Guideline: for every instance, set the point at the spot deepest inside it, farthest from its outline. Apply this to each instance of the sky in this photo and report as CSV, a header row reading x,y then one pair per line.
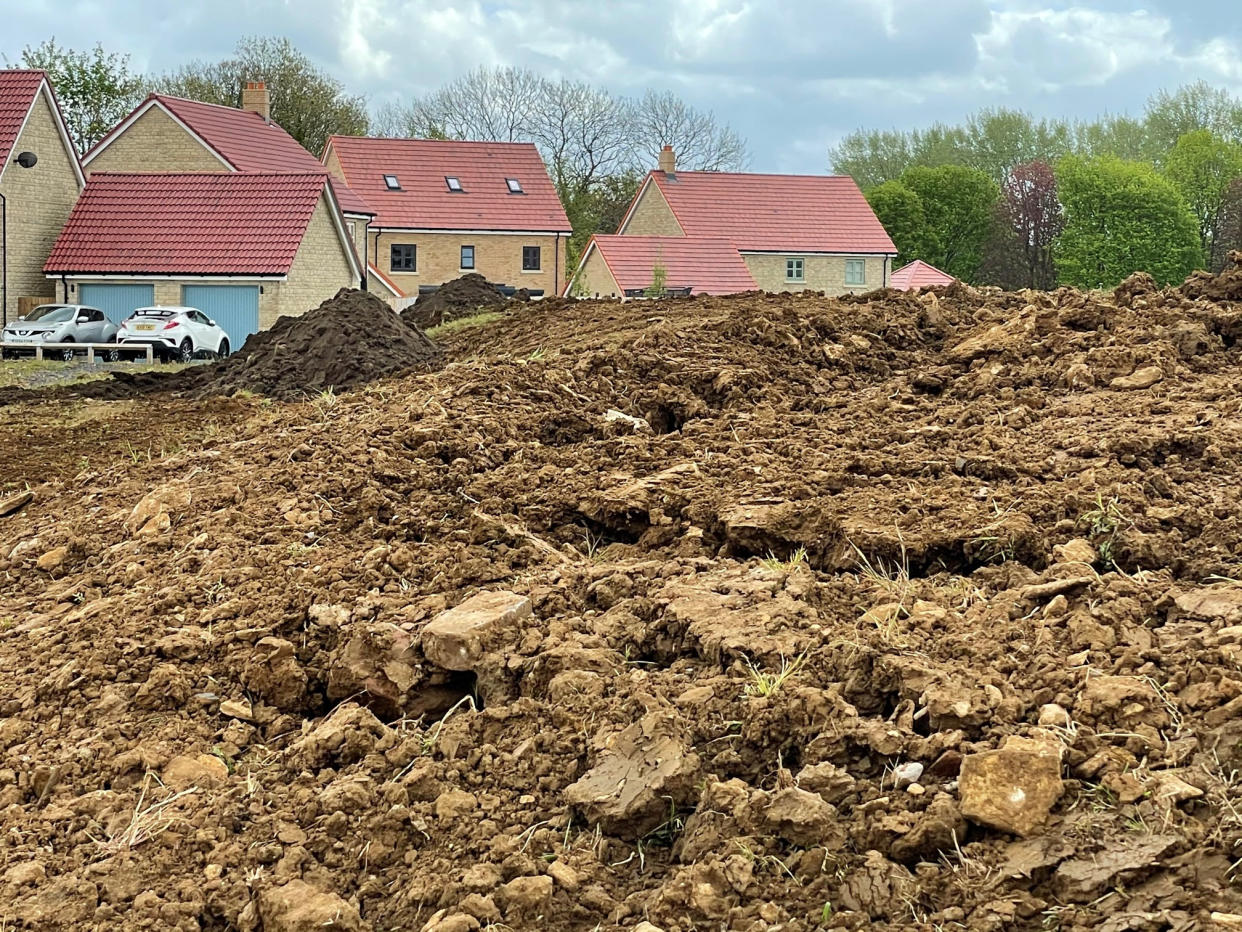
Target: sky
x,y
792,76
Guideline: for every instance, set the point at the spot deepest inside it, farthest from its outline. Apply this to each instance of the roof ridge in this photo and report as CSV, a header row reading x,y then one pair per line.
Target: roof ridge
x,y
42,71
458,142
155,95
715,174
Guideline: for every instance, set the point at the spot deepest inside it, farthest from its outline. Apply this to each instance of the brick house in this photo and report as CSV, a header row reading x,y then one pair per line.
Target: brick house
x,y
444,208
244,247
37,199
170,134
792,232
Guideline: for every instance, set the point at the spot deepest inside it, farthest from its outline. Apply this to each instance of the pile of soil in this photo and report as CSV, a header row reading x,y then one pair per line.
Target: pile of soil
x,y
348,341
1226,286
462,297
766,612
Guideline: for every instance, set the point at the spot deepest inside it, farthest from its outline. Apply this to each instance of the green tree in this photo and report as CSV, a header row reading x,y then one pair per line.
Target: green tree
x,y
1170,115
958,204
901,212
95,88
309,104
1122,217
1201,167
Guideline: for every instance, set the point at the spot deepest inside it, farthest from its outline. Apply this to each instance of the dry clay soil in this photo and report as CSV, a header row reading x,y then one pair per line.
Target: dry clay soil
x,y
781,612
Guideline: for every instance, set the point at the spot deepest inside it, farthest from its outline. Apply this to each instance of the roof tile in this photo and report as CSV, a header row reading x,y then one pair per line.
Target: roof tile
x,y
919,274
425,202
18,88
775,213
704,265
187,224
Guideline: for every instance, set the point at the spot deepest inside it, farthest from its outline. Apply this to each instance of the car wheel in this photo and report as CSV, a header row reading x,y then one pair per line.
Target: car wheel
x,y
67,353
186,350
111,355
223,351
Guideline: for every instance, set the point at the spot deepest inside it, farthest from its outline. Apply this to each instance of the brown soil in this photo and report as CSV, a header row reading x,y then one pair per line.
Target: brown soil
x,y
896,612
462,297
350,340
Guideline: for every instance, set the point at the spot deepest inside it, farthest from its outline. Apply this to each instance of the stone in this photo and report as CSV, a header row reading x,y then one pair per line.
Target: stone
x,y
444,921
1014,787
828,780
272,672
1085,878
299,907
1124,700
647,769
1212,602
1172,788
27,873
1052,715
645,926
906,774
528,894
458,638
1075,551
377,662
1140,378
620,419
52,559
916,789
202,770
799,816
237,708
153,513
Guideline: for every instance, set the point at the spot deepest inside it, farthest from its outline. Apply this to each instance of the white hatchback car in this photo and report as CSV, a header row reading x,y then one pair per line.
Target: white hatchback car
x,y
175,332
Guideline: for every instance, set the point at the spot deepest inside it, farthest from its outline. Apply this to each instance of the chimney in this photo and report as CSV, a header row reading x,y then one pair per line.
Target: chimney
x,y
668,160
255,98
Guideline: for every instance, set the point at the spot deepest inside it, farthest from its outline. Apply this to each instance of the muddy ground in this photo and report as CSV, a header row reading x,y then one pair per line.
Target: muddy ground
x,y
767,612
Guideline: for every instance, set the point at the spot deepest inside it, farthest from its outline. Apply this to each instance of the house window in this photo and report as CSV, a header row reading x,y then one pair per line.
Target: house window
x,y
454,184
795,270
404,257
391,182
855,271
515,186
530,258
467,257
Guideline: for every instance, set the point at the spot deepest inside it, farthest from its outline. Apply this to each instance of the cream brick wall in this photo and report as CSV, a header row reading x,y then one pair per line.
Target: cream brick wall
x,y
155,143
39,200
497,257
594,280
320,269
652,216
821,273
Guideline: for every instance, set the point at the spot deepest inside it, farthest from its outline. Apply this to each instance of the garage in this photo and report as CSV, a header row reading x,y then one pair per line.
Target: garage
x,y
116,301
233,307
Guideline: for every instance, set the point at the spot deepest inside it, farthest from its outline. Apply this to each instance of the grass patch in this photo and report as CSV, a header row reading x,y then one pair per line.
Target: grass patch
x,y
462,323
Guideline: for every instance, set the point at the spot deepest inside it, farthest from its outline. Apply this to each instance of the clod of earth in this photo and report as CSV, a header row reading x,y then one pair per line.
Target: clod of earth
x,y
458,638
1014,787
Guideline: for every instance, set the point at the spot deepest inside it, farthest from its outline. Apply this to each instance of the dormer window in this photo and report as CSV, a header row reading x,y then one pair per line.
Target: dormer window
x,y
391,182
454,184
515,186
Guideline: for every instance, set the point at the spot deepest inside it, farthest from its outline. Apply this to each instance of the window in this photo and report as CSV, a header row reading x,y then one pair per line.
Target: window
x,y
530,259
454,184
391,182
403,258
794,270
855,271
467,257
515,186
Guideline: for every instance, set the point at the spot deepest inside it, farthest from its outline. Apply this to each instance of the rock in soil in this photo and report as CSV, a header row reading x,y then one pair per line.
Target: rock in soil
x,y
1014,787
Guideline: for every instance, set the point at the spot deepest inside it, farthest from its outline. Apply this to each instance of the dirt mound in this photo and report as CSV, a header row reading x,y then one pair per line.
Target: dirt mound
x,y
773,611
1227,286
461,297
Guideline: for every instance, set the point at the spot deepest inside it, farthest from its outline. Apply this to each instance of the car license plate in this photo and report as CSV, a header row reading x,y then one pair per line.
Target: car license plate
x,y
145,327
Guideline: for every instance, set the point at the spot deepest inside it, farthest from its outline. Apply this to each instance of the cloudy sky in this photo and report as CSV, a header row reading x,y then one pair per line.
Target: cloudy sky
x,y
792,76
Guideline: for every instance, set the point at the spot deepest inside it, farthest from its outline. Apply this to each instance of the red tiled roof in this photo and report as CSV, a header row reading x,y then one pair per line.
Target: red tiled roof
x,y
425,202
919,274
247,142
226,223
705,265
18,88
775,213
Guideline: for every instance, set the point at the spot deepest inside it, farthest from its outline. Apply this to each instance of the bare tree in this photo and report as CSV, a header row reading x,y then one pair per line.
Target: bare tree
x,y
702,143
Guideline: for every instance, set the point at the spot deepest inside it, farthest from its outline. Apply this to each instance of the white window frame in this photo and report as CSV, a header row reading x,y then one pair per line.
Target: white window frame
x,y
789,266
861,265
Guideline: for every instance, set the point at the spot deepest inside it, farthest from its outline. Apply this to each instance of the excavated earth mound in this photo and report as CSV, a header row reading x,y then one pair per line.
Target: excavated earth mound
x,y
461,297
766,612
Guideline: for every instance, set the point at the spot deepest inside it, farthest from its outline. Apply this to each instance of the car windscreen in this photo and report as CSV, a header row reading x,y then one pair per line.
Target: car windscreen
x,y
51,314
161,313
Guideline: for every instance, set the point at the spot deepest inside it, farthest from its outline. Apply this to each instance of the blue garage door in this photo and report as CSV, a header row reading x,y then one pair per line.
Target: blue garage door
x,y
116,301
233,307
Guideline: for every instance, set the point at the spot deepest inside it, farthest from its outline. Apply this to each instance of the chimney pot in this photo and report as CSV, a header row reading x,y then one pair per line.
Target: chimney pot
x,y
256,99
668,160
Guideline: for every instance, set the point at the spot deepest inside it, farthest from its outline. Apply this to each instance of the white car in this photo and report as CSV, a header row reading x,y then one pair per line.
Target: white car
x,y
178,333
59,323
